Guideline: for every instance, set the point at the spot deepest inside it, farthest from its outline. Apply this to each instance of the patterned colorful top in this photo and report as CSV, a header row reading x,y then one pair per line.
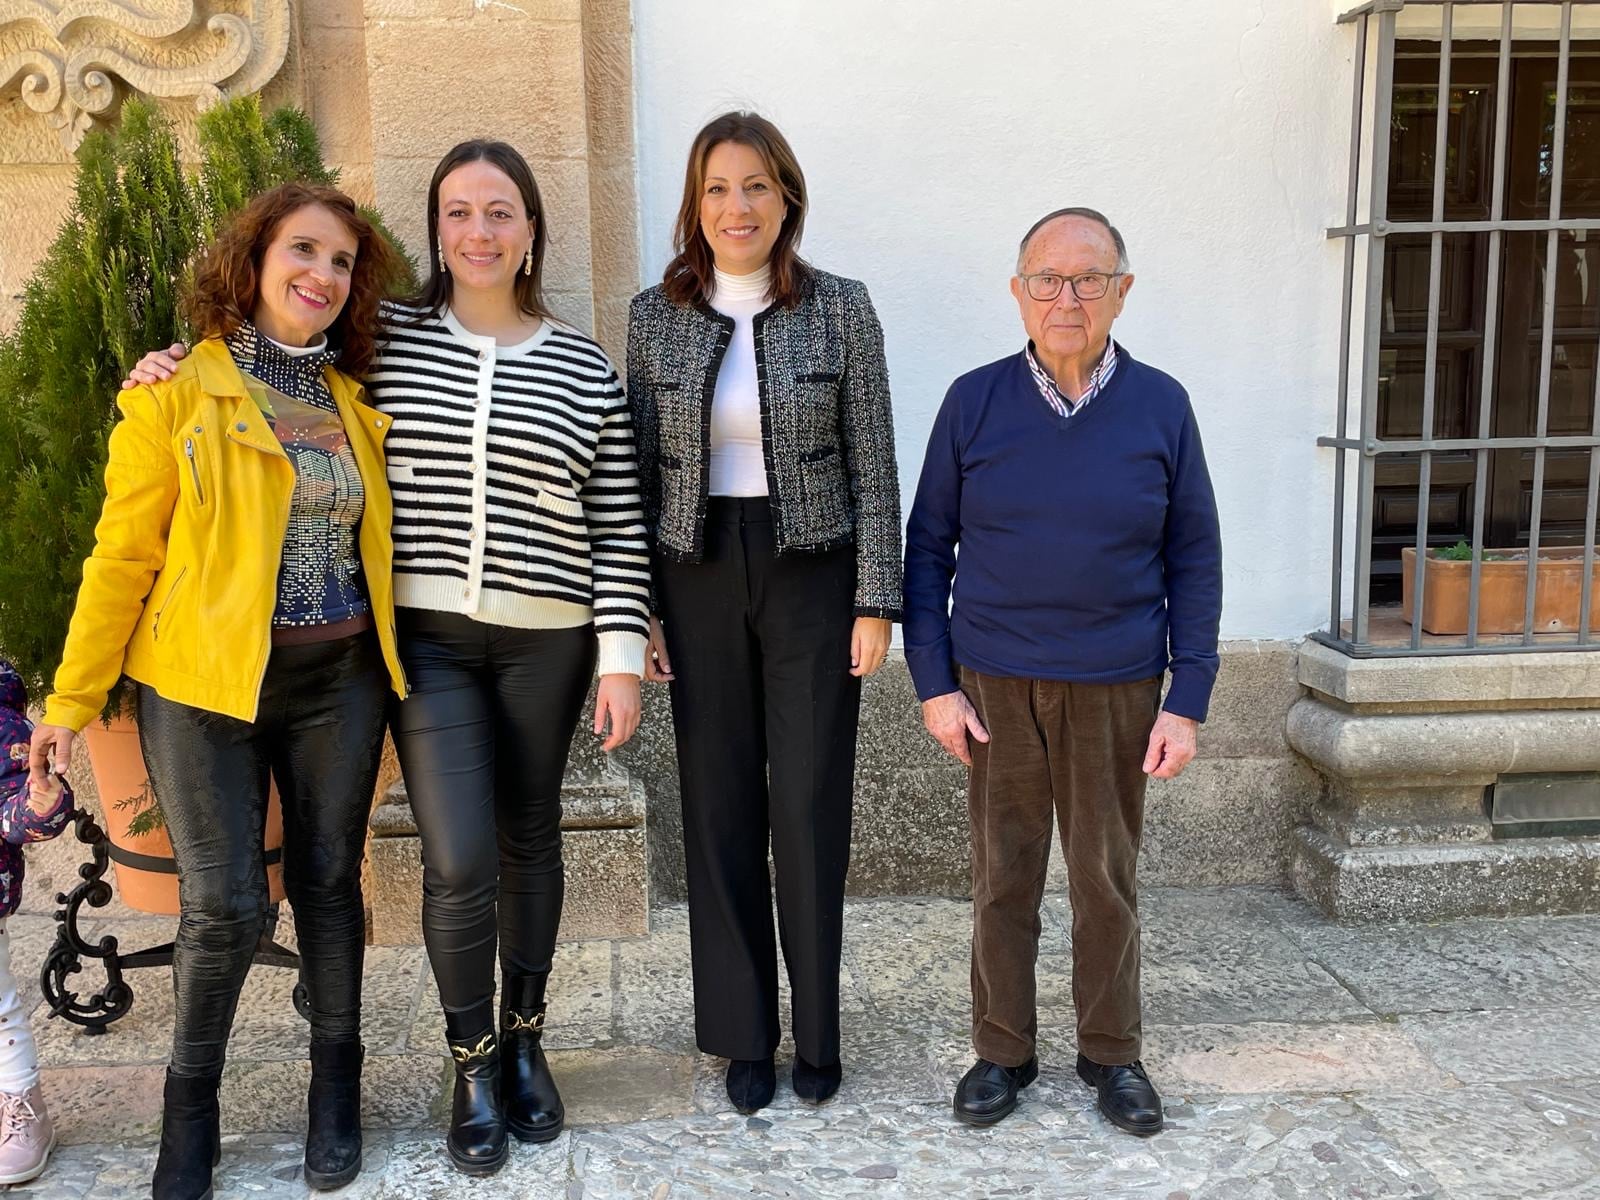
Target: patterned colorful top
x,y
320,581
1056,398
18,822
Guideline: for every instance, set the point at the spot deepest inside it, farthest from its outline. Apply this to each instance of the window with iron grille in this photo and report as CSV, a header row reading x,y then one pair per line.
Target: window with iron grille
x,y
1468,418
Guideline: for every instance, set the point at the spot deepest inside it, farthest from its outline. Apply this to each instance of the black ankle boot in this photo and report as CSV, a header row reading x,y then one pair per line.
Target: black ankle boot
x,y
751,1082
527,1091
190,1142
333,1104
477,1138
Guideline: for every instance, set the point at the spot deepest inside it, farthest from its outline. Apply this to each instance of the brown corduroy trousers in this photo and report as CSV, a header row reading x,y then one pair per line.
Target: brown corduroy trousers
x,y
1076,749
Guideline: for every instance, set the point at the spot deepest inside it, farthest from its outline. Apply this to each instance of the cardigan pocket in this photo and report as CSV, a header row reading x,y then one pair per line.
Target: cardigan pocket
x,y
561,506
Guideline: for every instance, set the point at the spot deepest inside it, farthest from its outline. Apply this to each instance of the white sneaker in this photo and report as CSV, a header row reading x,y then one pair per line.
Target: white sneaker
x,y
26,1135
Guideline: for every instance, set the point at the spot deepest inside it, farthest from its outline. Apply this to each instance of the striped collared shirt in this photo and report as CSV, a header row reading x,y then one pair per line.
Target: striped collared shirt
x,y
1056,398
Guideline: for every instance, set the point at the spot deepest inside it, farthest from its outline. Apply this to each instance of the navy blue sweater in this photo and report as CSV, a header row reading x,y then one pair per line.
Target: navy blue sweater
x,y
1089,546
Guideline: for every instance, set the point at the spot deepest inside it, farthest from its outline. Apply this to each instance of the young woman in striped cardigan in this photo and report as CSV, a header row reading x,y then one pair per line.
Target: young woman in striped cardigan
x,y
520,563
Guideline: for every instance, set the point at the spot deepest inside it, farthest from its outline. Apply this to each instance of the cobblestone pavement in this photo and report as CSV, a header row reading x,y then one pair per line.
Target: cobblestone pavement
x,y
1298,1059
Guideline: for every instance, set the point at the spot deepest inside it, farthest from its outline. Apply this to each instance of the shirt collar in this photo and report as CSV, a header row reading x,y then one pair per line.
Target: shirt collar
x,y
1058,399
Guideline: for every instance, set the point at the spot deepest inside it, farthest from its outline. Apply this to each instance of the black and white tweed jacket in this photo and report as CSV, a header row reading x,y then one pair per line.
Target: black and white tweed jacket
x,y
826,427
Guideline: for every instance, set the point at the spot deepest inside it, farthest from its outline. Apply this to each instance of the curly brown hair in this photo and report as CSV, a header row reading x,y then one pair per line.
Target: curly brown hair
x,y
223,294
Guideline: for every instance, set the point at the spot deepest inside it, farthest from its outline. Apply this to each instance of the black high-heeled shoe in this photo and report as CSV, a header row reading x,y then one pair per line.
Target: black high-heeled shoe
x,y
816,1084
751,1083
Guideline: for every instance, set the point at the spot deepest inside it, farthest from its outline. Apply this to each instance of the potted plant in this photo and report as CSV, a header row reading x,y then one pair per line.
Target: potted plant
x,y
1502,589
108,290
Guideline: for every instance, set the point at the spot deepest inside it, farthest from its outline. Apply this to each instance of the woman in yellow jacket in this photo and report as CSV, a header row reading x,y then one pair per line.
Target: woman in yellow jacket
x,y
241,580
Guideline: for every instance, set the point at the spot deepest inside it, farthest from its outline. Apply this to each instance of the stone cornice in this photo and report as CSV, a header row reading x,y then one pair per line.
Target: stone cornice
x,y
68,59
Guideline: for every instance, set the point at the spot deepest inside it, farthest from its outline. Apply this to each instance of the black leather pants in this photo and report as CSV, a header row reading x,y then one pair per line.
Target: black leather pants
x,y
318,731
483,742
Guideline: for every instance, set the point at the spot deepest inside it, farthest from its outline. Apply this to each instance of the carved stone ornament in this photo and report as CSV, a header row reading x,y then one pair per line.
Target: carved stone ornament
x,y
69,56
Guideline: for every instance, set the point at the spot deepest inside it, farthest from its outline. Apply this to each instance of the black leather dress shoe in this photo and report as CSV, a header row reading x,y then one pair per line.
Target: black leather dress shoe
x,y
988,1092
751,1083
1127,1097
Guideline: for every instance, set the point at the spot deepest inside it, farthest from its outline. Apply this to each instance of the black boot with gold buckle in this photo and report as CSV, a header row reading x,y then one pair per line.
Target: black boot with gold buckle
x,y
477,1138
528,1092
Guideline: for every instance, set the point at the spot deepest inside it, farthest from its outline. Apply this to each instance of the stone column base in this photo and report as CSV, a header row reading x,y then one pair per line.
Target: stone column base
x,y
1409,748
1421,882
603,850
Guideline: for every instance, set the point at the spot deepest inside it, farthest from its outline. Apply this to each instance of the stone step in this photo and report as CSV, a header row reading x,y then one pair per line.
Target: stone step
x,y
603,849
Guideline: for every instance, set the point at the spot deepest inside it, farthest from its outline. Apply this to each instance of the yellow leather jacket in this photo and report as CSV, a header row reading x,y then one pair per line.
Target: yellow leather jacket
x,y
180,589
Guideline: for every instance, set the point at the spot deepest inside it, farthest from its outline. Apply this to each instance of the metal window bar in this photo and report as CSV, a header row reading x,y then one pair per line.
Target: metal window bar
x,y
1430,370
1376,229
1342,423
1547,333
1491,324
1371,331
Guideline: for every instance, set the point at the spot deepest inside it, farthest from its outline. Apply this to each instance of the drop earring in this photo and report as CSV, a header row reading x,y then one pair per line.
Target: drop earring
x,y
442,268
527,262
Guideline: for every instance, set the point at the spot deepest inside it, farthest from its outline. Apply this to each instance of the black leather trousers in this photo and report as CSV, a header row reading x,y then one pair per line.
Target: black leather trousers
x,y
483,742
318,732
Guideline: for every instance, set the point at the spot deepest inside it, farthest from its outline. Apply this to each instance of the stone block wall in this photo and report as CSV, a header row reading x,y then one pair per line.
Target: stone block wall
x,y
391,85
1230,818
167,50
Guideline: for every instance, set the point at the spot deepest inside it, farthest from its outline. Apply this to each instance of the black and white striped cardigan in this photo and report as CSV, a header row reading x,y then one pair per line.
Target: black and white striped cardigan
x,y
515,481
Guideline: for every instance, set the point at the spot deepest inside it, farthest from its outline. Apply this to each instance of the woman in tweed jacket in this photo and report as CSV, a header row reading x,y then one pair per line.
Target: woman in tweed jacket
x,y
766,454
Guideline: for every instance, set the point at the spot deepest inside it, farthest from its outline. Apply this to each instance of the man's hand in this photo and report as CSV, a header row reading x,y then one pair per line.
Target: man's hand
x,y
156,366
951,718
1172,744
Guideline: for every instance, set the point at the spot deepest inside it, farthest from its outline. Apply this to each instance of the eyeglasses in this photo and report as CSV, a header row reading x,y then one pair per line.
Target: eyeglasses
x,y
1091,285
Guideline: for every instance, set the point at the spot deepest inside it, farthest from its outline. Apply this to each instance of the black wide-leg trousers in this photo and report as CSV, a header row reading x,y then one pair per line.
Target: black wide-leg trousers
x,y
483,741
318,732
765,711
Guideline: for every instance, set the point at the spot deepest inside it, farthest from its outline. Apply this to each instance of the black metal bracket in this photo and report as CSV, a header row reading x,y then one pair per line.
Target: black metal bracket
x,y
65,960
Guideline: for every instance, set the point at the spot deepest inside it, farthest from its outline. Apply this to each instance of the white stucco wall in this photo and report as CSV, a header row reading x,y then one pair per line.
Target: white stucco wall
x,y
933,132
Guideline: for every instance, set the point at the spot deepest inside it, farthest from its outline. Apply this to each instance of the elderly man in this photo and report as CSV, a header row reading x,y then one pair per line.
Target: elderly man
x,y
1070,476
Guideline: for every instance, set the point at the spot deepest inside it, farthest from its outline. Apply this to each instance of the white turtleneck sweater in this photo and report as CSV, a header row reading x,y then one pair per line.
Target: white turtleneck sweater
x,y
737,465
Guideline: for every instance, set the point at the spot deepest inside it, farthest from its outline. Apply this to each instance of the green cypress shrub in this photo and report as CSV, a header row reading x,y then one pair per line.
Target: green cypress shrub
x,y
106,292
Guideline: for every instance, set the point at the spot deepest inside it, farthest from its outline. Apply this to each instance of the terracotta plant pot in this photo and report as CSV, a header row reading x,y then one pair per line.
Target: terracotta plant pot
x,y
1502,591
147,877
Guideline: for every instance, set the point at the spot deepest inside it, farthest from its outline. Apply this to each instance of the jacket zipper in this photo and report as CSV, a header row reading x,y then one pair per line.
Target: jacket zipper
x,y
194,469
155,626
